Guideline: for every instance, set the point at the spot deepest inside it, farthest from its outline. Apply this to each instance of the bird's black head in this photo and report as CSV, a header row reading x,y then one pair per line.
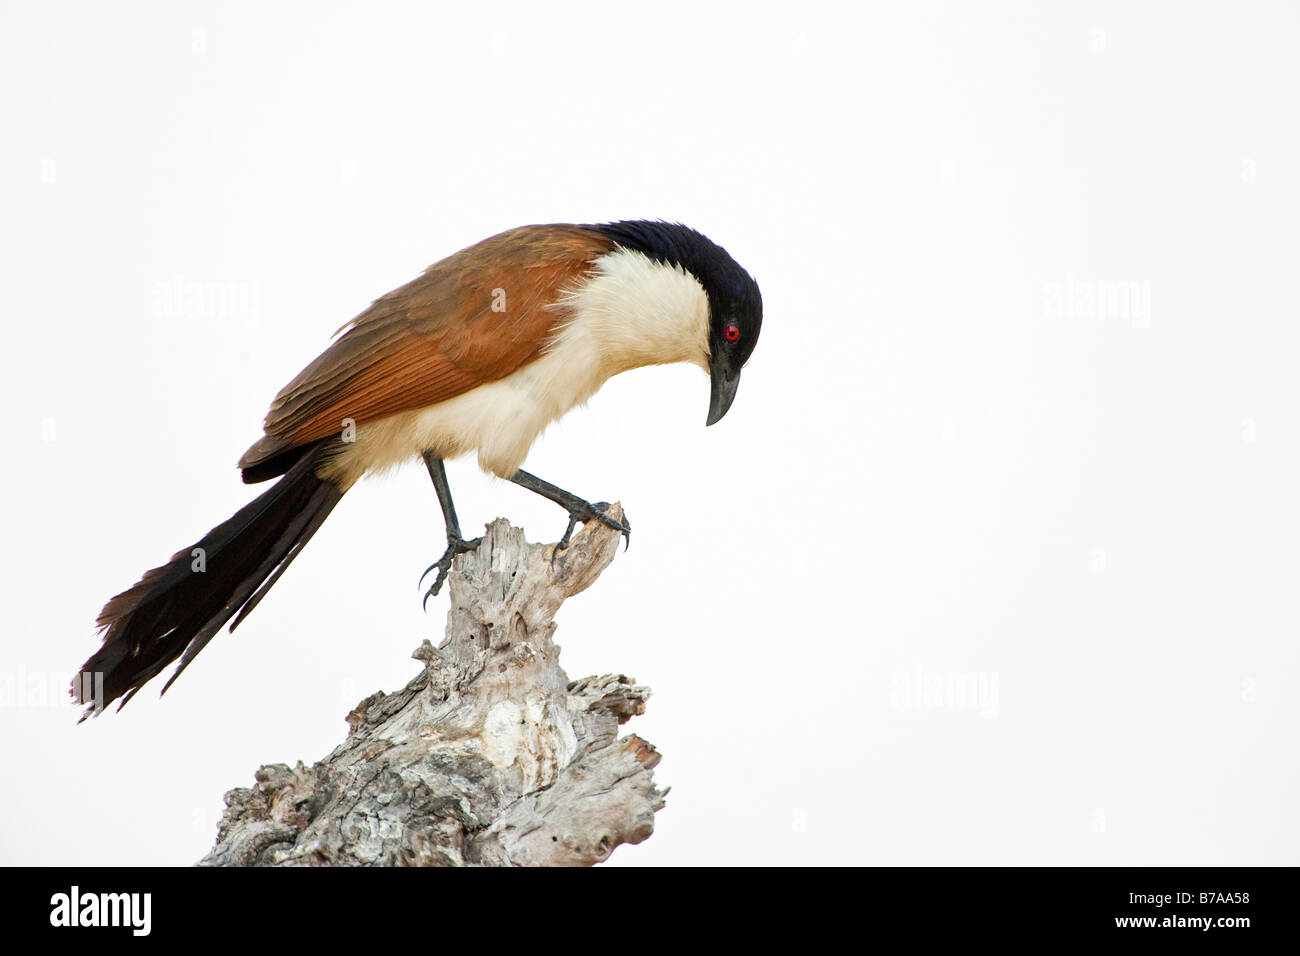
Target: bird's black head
x,y
735,305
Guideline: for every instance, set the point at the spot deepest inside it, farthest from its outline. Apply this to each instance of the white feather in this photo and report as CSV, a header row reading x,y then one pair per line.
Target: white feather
x,y
632,312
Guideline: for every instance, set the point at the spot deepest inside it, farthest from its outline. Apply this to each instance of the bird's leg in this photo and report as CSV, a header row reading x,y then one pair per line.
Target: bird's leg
x,y
578,509
455,543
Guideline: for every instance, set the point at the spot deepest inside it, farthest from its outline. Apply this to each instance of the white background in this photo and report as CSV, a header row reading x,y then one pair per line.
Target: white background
x,y
1023,419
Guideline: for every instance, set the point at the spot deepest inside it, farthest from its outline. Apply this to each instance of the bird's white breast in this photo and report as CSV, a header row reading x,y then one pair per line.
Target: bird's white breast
x,y
631,312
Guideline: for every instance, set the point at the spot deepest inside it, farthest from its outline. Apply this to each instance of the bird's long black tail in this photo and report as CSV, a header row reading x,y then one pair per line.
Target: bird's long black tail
x,y
176,609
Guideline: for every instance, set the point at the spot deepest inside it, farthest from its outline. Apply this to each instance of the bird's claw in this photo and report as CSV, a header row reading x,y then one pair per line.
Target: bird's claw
x,y
599,512
455,546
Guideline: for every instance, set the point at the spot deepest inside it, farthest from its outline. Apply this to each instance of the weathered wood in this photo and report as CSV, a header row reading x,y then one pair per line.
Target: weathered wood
x,y
489,756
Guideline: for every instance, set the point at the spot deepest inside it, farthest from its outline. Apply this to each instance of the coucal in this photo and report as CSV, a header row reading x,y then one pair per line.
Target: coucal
x,y
478,354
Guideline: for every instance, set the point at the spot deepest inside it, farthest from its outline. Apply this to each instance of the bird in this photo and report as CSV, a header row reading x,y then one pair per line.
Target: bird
x,y
478,354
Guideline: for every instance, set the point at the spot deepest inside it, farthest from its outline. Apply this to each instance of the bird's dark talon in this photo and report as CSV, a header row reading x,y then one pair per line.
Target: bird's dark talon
x,y
432,592
623,527
588,512
455,546
564,540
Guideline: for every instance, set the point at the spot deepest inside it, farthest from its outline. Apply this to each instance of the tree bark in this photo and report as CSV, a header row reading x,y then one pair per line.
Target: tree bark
x,y
490,756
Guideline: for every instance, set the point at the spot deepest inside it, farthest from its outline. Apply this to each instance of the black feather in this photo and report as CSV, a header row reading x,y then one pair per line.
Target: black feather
x,y
175,610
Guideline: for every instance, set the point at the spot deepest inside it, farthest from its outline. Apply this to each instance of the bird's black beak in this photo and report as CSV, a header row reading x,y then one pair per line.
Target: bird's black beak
x,y
723,391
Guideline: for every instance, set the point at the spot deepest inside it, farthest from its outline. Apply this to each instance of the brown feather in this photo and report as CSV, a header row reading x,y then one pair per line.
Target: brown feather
x,y
436,337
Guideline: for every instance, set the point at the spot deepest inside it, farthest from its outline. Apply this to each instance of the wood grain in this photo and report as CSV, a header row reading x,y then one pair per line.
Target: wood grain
x,y
489,757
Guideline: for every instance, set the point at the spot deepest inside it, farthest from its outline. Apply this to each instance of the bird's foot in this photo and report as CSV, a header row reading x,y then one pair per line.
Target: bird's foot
x,y
585,511
455,545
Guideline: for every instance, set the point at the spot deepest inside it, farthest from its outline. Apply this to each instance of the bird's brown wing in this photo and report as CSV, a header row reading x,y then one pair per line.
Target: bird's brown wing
x,y
435,337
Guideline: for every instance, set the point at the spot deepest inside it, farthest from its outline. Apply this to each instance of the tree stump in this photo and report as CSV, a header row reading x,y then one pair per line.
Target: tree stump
x,y
490,756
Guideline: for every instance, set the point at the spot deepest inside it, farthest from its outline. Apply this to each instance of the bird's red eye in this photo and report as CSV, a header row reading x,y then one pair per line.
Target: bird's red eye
x,y
732,333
